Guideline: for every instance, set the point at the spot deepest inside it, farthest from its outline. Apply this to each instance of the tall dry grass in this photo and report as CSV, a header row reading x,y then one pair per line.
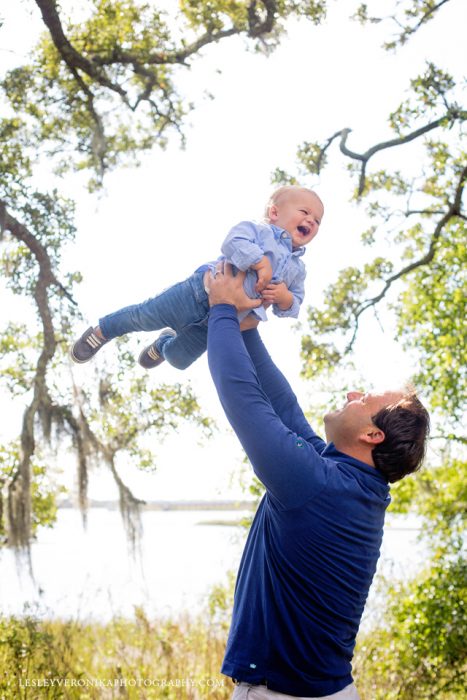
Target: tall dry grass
x,y
139,658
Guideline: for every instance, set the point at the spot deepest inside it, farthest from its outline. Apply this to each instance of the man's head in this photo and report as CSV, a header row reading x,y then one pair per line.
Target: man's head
x,y
298,210
386,430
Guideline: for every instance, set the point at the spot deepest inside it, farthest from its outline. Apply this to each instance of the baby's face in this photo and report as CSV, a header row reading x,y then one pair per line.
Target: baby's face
x,y
299,212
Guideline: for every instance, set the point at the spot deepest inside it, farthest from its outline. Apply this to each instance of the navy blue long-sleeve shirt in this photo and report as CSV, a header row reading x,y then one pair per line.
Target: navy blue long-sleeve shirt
x,y
315,540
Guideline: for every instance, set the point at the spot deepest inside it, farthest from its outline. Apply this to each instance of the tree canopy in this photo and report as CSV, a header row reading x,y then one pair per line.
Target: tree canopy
x,y
417,275
102,88
418,217
99,88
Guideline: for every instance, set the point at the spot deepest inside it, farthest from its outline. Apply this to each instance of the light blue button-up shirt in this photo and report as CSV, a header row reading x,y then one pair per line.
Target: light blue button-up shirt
x,y
248,242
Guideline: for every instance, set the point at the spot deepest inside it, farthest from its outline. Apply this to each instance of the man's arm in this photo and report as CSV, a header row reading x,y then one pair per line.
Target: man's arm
x,y
279,391
289,467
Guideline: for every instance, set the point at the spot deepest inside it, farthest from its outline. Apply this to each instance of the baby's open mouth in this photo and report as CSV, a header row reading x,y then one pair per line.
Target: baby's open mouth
x,y
304,230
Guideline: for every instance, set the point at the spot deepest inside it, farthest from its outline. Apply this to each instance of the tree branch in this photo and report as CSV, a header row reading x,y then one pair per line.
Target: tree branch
x,y
391,143
125,57
427,212
324,148
424,18
94,66
255,29
450,437
405,30
21,233
19,490
86,437
70,55
453,113
454,209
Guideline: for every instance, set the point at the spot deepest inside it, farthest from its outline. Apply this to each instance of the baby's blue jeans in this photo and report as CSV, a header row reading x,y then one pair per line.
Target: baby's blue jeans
x,y
184,307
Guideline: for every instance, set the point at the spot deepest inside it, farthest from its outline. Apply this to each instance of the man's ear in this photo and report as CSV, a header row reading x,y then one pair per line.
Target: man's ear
x,y
373,435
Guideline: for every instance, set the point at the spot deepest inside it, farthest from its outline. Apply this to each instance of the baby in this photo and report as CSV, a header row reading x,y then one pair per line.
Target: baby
x,y
270,252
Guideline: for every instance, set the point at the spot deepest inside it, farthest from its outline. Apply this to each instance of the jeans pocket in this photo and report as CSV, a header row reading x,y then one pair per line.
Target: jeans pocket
x,y
200,298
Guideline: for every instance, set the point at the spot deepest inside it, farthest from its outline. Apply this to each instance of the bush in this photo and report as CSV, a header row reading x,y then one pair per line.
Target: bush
x,y
421,652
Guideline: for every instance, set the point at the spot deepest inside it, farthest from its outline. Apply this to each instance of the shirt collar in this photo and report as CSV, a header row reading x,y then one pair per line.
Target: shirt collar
x,y
284,236
333,453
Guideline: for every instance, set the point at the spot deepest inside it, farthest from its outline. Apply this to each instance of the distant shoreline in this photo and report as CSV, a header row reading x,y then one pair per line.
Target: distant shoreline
x,y
170,505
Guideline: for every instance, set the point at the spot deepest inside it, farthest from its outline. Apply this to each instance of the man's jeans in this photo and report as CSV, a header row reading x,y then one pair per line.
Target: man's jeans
x,y
183,307
245,691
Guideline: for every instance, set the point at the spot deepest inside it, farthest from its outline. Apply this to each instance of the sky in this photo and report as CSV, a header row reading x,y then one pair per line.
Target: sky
x,y
153,225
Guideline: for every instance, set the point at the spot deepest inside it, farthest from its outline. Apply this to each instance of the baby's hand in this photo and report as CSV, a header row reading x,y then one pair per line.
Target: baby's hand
x,y
264,271
278,294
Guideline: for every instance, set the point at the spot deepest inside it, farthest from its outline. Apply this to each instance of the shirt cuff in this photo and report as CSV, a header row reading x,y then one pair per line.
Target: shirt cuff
x,y
292,311
223,310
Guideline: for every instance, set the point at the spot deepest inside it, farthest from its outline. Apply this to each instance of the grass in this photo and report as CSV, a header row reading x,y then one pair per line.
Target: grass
x,y
179,659
138,658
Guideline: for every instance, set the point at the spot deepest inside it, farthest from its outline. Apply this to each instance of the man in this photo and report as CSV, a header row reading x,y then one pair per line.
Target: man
x,y
314,543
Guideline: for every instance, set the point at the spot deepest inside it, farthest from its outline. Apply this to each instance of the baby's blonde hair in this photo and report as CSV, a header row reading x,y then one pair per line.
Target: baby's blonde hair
x,y
278,194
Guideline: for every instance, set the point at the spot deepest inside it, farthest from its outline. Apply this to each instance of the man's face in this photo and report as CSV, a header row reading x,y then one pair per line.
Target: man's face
x,y
345,425
299,212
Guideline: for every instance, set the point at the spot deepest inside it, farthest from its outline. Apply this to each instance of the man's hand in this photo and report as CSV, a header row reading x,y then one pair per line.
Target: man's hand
x,y
224,288
264,271
278,294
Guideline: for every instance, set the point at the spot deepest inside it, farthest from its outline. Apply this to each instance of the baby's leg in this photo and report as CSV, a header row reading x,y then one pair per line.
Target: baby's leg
x,y
176,307
186,347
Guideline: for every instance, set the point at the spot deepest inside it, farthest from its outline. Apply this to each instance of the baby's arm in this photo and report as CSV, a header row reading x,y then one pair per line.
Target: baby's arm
x,y
279,295
242,249
287,300
264,271
241,246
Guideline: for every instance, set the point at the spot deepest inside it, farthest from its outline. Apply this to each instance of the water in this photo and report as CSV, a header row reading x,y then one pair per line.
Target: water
x,y
90,574
84,574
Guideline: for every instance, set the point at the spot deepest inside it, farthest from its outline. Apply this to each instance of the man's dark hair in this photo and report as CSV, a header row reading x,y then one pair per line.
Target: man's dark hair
x,y
406,425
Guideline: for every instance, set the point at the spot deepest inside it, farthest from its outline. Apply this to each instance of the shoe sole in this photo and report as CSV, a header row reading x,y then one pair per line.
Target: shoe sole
x,y
75,359
164,331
